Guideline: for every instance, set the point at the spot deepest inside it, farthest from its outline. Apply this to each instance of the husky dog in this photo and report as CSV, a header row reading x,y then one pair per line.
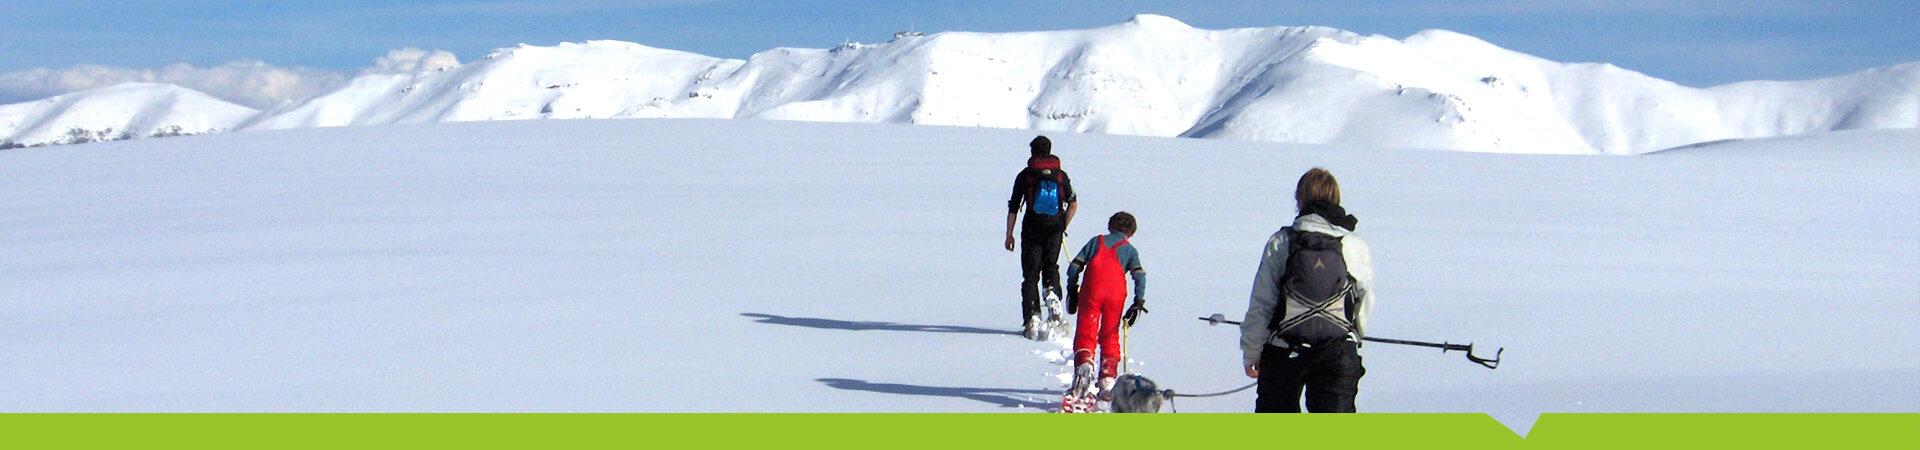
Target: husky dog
x,y
1137,394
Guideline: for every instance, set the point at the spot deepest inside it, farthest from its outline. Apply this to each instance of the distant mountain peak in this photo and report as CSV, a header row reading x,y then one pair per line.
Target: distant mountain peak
x,y
123,111
1156,20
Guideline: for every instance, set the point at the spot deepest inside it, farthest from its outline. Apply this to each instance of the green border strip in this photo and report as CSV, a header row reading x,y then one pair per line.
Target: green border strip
x,y
959,431
1735,431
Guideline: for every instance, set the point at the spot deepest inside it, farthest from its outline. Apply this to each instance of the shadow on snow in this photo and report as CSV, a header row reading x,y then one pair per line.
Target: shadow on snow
x,y
831,324
1006,398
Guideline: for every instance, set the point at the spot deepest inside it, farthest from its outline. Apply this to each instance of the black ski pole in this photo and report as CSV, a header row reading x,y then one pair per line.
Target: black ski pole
x,y
1490,363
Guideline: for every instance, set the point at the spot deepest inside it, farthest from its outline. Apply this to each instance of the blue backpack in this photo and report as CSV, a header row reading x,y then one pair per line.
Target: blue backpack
x,y
1046,197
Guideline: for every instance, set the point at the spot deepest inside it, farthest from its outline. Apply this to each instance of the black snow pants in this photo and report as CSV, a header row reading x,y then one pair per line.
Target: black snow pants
x,y
1039,261
1330,375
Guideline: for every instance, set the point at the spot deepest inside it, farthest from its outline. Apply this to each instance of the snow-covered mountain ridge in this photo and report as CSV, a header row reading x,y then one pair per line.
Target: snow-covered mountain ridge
x,y
1152,76
125,111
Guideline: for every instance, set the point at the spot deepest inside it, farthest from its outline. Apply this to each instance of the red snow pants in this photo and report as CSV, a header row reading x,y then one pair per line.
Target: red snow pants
x,y
1103,298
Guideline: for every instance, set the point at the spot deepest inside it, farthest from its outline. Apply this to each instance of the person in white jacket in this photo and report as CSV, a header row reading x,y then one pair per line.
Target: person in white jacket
x,y
1314,344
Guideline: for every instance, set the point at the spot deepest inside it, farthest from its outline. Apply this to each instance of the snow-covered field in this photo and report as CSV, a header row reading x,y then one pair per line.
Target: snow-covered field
x,y
741,265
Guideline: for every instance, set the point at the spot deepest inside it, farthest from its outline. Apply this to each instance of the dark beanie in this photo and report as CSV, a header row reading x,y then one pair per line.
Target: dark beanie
x,y
1041,146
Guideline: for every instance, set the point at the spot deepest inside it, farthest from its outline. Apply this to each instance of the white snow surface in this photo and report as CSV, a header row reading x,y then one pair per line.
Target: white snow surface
x,y
694,265
1149,76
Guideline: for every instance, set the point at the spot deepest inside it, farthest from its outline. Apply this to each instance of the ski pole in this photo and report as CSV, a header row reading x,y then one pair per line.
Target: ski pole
x,y
1490,363
1493,363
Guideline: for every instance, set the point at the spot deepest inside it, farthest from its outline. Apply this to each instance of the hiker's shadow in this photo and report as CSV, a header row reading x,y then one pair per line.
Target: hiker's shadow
x,y
868,325
1006,398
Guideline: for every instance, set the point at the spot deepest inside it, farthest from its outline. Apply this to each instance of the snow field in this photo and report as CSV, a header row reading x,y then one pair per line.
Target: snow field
x,y
721,265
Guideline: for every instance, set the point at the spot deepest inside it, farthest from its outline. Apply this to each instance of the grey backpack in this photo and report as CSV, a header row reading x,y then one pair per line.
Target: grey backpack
x,y
1317,294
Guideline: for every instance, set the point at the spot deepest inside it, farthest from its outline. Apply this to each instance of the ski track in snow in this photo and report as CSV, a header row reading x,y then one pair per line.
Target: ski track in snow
x,y
1057,352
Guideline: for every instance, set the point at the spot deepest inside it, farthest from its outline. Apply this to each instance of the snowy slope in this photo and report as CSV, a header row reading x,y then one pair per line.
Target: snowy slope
x,y
597,79
1149,76
118,112
717,265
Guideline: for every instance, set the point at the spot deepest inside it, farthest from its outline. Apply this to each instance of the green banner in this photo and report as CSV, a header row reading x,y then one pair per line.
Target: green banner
x,y
959,431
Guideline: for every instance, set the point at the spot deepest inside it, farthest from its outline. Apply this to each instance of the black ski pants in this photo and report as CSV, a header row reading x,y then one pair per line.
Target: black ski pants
x,y
1039,261
1329,375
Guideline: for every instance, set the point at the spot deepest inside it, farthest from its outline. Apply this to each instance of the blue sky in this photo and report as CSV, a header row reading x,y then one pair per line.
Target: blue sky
x,y
1696,43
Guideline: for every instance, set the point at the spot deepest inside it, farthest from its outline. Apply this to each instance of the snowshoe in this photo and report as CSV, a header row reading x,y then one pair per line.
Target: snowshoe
x,y
1080,397
1053,318
1079,404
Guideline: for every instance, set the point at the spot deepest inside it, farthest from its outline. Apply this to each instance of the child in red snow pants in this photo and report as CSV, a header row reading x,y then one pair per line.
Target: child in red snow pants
x,y
1103,298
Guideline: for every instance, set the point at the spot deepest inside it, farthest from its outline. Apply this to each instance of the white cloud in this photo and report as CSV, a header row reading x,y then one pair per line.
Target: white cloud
x,y
412,61
251,83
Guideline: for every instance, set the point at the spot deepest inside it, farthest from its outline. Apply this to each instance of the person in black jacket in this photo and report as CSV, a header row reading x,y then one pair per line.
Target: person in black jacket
x,y
1049,203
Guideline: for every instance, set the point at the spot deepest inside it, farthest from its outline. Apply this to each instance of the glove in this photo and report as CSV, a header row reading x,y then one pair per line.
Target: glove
x,y
1073,301
1133,312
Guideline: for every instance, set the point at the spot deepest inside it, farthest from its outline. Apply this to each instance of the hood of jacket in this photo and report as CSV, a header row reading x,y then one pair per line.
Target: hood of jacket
x,y
1319,224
